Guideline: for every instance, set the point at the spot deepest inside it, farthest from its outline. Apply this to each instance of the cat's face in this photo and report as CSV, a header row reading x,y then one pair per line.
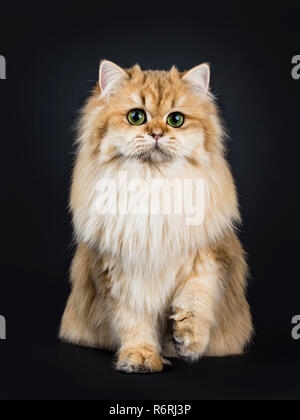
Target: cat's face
x,y
155,117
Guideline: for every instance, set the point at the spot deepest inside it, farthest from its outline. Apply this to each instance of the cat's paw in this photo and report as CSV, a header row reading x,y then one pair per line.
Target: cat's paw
x,y
169,349
191,334
140,359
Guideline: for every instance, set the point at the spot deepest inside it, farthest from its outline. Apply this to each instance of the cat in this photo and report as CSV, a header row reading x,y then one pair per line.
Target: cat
x,y
151,287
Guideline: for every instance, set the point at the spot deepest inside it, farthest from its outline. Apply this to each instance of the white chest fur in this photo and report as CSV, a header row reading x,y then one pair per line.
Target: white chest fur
x,y
146,249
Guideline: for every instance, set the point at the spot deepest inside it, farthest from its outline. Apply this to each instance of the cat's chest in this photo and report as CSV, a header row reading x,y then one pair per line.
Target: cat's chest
x,y
139,218
147,241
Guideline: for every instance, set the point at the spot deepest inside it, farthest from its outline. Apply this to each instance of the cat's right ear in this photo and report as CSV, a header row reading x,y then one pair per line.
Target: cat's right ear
x,y
110,76
199,78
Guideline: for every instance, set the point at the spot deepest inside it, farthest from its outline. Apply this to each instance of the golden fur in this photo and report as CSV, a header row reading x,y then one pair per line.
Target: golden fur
x,y
150,286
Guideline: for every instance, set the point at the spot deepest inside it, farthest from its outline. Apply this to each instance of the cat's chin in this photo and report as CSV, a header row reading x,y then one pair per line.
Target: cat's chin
x,y
156,155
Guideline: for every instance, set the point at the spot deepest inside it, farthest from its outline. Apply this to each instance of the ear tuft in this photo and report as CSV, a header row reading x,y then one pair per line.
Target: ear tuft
x,y
110,76
199,79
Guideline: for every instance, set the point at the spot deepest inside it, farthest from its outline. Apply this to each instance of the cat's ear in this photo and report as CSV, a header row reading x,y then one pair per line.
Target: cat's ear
x,y
110,76
199,79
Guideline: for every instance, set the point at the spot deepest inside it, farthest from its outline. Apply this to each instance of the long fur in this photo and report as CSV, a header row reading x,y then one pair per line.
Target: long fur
x,y
149,286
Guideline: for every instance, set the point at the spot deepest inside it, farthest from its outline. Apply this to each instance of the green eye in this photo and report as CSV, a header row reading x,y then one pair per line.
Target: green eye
x,y
176,119
137,117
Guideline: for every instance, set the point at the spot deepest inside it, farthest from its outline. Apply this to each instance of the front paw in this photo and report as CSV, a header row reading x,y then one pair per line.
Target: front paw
x,y
140,359
191,334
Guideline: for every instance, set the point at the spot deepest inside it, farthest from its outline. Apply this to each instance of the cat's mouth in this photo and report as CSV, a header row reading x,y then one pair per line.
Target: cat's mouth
x,y
157,154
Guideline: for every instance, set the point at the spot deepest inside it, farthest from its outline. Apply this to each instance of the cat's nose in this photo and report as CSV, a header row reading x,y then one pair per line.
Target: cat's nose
x,y
156,136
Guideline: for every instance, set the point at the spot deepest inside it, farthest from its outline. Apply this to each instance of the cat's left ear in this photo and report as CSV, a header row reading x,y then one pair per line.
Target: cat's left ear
x,y
199,79
110,76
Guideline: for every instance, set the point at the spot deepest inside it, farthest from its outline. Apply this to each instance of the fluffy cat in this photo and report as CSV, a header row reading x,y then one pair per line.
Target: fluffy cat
x,y
150,286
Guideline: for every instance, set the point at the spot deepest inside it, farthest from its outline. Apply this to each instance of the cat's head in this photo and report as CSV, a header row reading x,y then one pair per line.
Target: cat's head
x,y
154,116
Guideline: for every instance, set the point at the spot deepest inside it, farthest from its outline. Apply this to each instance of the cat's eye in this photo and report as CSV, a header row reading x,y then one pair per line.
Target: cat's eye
x,y
176,119
137,117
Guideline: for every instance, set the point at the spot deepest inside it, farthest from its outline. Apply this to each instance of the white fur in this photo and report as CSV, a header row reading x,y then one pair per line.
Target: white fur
x,y
144,247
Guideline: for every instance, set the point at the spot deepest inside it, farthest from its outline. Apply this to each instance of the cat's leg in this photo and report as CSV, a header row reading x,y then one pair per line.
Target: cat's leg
x,y
75,329
140,350
210,311
193,307
233,330
84,322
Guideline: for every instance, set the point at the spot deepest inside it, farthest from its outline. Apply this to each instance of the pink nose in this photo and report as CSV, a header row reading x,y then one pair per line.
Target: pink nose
x,y
156,136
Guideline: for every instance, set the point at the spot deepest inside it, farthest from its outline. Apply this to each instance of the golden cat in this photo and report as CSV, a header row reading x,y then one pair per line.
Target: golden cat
x,y
150,286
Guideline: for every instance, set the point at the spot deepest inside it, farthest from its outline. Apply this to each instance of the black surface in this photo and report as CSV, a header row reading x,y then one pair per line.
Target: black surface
x,y
52,63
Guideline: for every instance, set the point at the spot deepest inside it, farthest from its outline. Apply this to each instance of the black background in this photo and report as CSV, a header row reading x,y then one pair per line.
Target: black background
x,y
52,64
